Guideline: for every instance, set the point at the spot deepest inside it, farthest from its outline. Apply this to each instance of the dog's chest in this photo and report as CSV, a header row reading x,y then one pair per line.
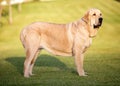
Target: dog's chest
x,y
88,42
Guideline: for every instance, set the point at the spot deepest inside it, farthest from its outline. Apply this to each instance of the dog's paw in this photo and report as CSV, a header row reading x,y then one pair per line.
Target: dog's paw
x,y
82,74
32,74
26,76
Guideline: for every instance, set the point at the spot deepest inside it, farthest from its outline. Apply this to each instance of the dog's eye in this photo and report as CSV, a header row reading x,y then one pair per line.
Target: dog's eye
x,y
100,14
94,14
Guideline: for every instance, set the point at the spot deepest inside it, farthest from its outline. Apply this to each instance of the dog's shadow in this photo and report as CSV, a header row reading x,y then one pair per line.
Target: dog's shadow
x,y
42,61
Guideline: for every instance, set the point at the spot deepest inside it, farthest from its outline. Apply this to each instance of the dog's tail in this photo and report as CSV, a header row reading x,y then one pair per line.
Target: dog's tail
x,y
22,37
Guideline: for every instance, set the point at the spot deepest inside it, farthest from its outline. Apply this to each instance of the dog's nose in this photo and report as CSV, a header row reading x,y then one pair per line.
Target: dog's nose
x,y
100,20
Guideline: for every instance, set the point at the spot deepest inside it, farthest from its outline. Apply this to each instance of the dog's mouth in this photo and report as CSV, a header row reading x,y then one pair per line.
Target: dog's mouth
x,y
96,26
99,24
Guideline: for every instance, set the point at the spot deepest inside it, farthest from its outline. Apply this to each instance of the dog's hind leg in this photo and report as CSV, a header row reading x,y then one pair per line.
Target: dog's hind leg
x,y
32,63
31,46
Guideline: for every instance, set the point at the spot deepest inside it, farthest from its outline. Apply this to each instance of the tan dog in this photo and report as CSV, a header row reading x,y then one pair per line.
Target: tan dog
x,y
70,39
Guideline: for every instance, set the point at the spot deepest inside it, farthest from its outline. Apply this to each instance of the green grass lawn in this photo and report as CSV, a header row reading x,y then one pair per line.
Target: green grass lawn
x,y
102,60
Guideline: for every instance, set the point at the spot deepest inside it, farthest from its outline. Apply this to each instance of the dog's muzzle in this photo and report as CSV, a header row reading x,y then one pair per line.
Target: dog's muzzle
x,y
99,23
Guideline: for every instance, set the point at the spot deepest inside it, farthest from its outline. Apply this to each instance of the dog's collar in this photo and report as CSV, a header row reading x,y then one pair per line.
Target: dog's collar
x,y
84,20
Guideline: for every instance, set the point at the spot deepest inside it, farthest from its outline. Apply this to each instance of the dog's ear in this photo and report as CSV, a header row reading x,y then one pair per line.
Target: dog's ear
x,y
86,17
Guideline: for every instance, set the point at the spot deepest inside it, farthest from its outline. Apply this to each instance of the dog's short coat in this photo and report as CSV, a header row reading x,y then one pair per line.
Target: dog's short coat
x,y
70,39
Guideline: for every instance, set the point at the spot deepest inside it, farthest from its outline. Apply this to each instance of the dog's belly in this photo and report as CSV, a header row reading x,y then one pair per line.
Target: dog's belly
x,y
58,52
57,48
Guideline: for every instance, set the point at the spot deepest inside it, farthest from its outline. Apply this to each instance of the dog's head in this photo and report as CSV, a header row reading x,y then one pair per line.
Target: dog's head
x,y
93,18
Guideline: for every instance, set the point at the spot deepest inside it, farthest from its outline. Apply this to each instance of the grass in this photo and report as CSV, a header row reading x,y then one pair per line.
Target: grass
x,y
102,60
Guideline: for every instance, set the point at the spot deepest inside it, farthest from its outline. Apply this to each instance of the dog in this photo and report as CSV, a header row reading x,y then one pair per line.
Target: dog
x,y
71,39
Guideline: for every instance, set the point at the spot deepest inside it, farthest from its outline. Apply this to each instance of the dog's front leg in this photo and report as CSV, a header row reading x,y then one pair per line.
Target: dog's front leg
x,y
79,64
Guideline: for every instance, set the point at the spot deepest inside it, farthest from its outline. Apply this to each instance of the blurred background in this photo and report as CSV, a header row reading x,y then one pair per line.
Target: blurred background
x,y
105,50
